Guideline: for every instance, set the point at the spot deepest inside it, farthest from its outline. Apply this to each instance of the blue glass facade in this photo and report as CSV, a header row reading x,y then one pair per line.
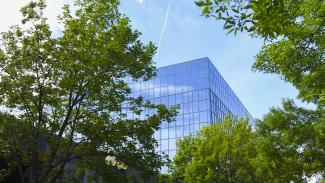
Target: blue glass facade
x,y
201,92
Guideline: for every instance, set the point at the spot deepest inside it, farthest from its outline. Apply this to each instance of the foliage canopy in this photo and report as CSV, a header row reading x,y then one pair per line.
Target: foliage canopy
x,y
294,33
221,152
63,96
290,139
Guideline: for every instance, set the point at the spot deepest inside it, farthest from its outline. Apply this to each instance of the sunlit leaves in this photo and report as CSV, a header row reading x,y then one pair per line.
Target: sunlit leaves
x,y
69,91
294,48
219,153
294,32
291,144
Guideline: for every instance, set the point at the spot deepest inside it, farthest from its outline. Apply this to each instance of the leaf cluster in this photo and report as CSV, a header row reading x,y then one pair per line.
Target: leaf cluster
x,y
291,144
63,96
290,138
221,152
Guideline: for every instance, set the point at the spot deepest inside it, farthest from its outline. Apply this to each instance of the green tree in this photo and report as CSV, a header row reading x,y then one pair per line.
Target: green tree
x,y
62,97
295,38
294,33
294,48
290,144
165,178
218,153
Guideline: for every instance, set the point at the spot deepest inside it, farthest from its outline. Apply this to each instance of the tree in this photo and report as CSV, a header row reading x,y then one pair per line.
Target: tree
x,y
219,153
290,144
294,33
294,48
62,97
165,178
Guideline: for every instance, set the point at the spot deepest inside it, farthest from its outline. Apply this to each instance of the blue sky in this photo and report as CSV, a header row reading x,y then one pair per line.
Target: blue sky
x,y
188,36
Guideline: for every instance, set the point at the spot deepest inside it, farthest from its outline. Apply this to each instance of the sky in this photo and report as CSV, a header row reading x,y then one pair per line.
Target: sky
x,y
182,34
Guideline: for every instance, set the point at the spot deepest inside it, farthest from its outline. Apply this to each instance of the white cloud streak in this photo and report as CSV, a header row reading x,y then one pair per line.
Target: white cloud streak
x,y
162,33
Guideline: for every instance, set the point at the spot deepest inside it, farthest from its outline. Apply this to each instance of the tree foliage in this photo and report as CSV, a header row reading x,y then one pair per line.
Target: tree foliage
x,y
291,138
219,153
295,38
62,96
291,144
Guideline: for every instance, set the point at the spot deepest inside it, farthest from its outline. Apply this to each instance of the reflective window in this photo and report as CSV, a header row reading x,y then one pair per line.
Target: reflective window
x,y
179,131
196,117
203,117
196,127
172,133
164,100
164,145
202,73
164,133
203,94
186,119
171,89
172,144
171,100
198,87
164,124
203,105
186,130
156,101
172,124
195,95
156,92
195,106
179,98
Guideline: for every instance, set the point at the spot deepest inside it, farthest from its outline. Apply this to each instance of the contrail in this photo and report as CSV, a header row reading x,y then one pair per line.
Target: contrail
x,y
164,26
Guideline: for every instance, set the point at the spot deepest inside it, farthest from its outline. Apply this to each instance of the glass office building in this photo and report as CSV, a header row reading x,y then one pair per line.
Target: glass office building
x,y
203,95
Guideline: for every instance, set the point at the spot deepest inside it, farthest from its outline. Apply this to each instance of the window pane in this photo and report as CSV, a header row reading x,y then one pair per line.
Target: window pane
x,y
171,89
195,96
186,130
171,100
172,133
202,84
178,87
164,145
179,99
172,124
164,124
156,92
203,117
192,129
164,133
179,131
202,73
203,105
196,118
179,122
189,97
195,106
203,95
172,144
164,100
186,119
156,101
196,128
